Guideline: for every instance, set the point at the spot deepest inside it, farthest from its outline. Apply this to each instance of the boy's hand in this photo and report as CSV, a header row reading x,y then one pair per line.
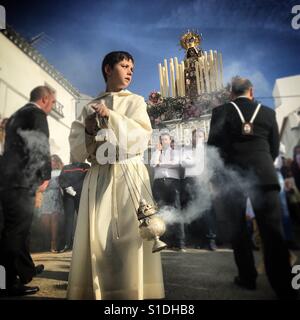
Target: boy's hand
x,y
102,110
91,125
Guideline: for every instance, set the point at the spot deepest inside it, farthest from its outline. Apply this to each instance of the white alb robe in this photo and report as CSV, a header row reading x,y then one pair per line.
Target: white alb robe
x,y
110,260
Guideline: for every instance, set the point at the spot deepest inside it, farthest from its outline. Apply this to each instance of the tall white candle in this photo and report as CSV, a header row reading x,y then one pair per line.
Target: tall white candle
x,y
160,78
221,69
164,81
177,75
211,70
172,74
167,78
216,70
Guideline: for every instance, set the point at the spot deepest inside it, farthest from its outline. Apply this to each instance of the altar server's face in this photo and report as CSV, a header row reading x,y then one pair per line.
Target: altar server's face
x,y
119,77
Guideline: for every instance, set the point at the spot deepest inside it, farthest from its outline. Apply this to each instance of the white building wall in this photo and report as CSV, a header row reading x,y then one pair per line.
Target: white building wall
x,y
19,74
290,137
286,94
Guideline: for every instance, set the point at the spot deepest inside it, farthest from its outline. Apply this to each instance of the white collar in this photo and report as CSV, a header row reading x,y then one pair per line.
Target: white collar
x,y
243,97
31,102
103,94
124,92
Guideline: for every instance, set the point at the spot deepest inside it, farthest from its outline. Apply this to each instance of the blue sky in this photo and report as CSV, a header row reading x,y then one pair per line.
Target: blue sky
x,y
255,37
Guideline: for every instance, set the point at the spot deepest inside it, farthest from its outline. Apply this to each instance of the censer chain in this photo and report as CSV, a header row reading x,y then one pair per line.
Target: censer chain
x,y
105,121
131,192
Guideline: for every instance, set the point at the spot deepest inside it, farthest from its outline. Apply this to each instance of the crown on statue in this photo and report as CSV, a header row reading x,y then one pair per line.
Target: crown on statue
x,y
190,39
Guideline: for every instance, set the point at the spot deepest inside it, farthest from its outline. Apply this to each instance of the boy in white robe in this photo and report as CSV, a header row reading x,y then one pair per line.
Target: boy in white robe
x,y
110,260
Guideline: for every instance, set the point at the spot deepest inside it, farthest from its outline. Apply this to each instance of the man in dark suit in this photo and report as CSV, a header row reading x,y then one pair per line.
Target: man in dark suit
x,y
247,137
24,165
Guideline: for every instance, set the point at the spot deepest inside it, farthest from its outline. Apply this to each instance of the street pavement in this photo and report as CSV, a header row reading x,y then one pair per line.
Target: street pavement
x,y
195,275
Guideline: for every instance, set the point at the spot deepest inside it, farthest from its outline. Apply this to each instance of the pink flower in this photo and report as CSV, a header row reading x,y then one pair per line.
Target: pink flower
x,y
155,98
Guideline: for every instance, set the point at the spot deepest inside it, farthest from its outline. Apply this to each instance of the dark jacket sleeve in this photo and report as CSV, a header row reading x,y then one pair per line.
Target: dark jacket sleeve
x,y
40,124
63,179
274,140
217,128
73,175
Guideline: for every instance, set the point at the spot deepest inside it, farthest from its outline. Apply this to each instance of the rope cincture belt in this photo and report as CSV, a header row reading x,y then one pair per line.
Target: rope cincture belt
x,y
247,127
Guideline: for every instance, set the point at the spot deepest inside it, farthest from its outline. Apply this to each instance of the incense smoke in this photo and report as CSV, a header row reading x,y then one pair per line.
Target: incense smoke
x,y
37,149
216,181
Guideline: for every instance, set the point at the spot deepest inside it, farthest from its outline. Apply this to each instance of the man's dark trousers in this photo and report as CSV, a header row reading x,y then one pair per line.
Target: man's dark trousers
x,y
266,205
18,207
166,192
71,205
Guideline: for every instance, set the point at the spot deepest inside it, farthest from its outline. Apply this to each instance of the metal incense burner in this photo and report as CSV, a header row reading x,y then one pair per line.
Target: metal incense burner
x,y
152,226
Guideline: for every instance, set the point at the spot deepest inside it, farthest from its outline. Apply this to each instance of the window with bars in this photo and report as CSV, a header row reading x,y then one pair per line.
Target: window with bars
x,y
57,110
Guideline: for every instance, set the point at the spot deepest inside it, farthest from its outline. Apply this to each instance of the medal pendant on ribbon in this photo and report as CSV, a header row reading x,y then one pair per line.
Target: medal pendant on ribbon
x,y
247,129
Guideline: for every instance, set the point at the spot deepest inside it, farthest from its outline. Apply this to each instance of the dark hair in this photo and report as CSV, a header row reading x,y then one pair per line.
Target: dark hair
x,y
164,134
57,160
194,136
113,58
294,151
240,85
39,92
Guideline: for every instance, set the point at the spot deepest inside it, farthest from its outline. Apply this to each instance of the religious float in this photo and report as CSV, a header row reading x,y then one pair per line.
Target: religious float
x,y
189,90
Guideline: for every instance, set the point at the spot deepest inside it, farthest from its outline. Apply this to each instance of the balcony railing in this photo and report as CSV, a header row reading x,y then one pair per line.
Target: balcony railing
x,y
57,110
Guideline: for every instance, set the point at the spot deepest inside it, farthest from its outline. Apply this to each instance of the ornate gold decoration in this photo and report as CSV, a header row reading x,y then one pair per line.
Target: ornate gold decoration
x,y
190,39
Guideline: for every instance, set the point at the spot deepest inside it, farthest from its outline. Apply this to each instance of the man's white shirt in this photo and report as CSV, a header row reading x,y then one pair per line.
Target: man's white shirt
x,y
193,161
166,164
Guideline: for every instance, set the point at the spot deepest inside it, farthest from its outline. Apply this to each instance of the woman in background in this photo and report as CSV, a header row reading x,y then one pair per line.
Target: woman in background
x,y
52,204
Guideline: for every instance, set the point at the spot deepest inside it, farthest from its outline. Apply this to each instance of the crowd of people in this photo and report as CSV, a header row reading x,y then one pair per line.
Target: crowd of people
x,y
177,179
110,260
57,203
290,171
